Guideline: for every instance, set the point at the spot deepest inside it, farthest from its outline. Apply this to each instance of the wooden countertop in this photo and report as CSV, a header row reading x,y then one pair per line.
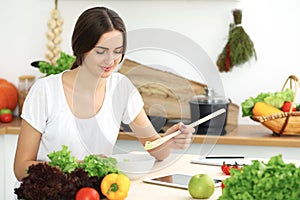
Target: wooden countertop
x,y
178,164
252,135
173,164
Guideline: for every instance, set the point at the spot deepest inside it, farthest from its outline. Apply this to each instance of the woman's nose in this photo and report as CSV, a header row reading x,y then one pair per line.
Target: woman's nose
x,y
109,59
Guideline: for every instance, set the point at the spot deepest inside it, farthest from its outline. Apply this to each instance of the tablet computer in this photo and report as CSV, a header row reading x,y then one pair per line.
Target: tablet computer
x,y
177,180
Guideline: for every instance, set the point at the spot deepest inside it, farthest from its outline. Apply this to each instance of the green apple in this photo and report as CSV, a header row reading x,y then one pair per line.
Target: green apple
x,y
5,111
201,186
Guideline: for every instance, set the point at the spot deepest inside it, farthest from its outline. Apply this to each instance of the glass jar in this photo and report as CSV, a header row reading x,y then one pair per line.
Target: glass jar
x,y
25,83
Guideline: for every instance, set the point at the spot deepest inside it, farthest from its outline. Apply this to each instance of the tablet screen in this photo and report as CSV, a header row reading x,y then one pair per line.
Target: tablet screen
x,y
173,180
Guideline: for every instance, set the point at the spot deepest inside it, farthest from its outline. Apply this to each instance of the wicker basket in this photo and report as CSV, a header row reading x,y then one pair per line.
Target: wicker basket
x,y
286,123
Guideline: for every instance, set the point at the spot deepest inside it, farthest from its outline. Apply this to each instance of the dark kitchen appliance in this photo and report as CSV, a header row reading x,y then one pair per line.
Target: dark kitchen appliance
x,y
202,105
158,123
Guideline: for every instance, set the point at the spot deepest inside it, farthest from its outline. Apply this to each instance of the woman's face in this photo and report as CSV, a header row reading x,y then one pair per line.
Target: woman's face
x,y
106,55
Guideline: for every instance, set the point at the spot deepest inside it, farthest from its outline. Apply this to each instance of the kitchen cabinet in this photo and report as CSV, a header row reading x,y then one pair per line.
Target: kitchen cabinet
x,y
2,172
8,144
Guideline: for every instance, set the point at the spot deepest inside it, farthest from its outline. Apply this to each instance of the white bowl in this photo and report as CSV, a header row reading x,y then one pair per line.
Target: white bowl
x,y
134,165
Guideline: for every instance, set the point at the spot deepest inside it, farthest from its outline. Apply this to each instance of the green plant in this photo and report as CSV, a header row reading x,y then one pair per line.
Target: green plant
x,y
239,49
63,63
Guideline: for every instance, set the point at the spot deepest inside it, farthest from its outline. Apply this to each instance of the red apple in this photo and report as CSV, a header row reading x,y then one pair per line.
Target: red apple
x,y
6,117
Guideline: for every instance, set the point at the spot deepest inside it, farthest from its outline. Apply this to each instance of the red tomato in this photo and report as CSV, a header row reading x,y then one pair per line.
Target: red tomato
x,y
87,193
236,167
6,117
222,185
223,166
226,169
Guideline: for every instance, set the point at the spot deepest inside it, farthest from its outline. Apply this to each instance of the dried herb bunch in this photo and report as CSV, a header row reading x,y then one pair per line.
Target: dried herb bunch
x,y
239,49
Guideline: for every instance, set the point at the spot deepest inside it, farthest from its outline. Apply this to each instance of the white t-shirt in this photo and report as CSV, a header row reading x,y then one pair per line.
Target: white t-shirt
x,y
46,109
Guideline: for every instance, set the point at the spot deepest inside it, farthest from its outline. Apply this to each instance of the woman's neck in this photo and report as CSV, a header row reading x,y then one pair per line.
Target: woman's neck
x,y
88,93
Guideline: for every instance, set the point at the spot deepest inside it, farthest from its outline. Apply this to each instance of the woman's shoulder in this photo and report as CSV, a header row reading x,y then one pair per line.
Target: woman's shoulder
x,y
46,85
48,80
120,82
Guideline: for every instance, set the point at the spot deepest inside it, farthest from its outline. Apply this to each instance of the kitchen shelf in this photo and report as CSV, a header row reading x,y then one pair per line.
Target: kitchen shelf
x,y
250,135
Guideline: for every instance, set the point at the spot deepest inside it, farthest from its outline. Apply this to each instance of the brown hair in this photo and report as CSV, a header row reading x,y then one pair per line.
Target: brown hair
x,y
90,26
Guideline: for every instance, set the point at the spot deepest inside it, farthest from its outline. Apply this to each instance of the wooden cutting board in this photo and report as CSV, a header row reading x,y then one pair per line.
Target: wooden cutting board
x,y
167,94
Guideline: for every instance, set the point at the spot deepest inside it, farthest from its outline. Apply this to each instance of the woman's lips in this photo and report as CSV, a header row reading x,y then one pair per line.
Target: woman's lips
x,y
106,69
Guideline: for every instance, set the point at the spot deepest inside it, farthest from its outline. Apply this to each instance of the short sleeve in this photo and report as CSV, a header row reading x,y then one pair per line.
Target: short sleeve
x,y
34,108
134,103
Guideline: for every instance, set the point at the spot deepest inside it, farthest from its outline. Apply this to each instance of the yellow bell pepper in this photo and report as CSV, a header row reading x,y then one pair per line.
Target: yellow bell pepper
x,y
115,186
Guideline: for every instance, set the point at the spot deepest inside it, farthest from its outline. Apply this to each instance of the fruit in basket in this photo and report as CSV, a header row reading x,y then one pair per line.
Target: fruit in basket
x,y
201,186
276,100
262,109
287,106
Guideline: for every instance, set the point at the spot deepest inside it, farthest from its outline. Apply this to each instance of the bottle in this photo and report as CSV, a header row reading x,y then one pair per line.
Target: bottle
x,y
25,83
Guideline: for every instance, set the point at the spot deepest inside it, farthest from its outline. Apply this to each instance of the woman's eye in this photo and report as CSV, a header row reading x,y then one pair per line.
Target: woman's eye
x,y
100,52
118,51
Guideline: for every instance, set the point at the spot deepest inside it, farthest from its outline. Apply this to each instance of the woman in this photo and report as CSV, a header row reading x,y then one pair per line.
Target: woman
x,y
82,108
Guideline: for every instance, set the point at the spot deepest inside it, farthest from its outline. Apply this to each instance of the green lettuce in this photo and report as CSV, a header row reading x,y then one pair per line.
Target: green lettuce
x,y
98,166
276,99
92,164
272,180
63,160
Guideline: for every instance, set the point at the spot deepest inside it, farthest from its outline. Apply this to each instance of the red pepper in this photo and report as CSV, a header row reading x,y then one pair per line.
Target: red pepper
x,y
287,106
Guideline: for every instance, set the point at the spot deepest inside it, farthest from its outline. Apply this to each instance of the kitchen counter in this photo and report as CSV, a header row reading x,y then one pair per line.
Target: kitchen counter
x,y
250,135
250,140
180,163
173,164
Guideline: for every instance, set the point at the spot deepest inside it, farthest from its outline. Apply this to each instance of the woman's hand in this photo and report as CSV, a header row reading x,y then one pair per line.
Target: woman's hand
x,y
183,140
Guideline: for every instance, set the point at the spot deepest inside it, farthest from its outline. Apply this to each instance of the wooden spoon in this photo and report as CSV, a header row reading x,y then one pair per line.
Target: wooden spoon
x,y
151,145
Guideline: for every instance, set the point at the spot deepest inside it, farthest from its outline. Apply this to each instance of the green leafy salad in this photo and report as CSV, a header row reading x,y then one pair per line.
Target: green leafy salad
x,y
64,175
276,99
272,180
94,165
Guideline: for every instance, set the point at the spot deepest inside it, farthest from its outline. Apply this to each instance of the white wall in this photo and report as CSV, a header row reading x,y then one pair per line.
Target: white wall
x,y
271,24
